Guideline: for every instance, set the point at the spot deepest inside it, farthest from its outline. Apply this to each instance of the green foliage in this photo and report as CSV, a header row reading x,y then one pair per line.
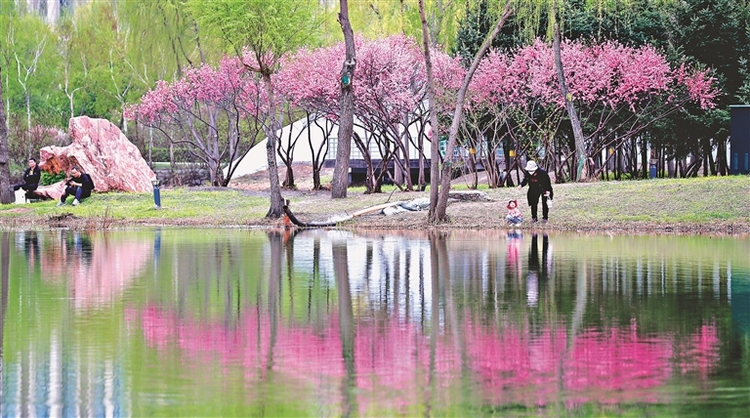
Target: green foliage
x,y
49,178
166,38
269,29
381,18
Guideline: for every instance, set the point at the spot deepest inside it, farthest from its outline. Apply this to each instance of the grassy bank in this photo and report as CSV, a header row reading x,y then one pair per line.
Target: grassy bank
x,y
698,205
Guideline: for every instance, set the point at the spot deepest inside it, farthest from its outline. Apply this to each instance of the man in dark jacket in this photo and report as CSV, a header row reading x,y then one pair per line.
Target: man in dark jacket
x,y
540,185
79,185
30,177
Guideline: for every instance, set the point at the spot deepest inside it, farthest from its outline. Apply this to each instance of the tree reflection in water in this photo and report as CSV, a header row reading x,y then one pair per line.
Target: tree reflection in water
x,y
174,322
371,347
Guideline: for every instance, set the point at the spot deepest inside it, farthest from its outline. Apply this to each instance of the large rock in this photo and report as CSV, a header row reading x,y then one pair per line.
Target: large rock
x,y
100,149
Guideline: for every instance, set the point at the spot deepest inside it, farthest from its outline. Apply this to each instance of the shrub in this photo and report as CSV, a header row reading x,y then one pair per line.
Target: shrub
x,y
49,178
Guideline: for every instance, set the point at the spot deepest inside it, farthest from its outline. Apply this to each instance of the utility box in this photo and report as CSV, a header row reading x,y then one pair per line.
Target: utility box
x,y
739,147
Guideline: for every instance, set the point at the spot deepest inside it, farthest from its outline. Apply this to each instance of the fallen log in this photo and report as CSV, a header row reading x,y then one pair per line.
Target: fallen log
x,y
373,209
297,222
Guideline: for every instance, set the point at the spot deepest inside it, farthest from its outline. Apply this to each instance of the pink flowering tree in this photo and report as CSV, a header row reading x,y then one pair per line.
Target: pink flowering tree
x,y
216,112
389,90
389,93
619,93
308,80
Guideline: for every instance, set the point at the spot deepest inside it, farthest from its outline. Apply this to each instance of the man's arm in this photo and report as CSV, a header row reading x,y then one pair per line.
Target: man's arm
x,y
86,182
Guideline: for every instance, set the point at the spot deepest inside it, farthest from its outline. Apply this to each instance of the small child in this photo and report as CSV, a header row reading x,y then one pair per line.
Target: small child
x,y
514,217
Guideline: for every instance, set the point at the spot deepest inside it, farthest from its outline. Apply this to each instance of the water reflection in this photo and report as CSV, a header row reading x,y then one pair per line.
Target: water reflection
x,y
371,323
57,359
96,269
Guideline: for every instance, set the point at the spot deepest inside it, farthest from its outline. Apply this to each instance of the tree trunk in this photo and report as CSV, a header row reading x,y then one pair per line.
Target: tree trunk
x,y
407,160
441,205
364,149
27,100
172,165
6,191
433,135
319,154
289,178
420,146
645,166
721,158
276,209
346,104
581,153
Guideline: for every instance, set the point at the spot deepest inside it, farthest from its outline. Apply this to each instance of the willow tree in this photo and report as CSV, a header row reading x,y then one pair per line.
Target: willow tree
x,y
166,38
261,33
381,18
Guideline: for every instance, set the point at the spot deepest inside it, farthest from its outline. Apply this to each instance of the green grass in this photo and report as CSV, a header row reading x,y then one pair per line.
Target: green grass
x,y
177,205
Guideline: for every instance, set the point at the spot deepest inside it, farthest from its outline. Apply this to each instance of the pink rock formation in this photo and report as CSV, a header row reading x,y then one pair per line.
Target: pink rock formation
x,y
100,149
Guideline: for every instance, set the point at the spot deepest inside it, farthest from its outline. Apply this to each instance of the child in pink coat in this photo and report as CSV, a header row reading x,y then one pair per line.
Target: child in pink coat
x,y
514,217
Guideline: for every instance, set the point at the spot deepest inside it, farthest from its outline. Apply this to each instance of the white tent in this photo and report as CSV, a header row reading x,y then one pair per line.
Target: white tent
x,y
255,160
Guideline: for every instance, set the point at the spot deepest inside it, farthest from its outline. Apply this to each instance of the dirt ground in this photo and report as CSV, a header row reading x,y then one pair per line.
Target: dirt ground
x,y
302,178
317,206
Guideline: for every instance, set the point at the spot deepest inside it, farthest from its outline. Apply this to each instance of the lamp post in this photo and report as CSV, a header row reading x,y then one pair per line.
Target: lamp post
x,y
157,197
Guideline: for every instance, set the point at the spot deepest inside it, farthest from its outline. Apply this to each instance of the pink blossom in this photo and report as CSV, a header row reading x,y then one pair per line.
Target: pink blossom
x,y
606,73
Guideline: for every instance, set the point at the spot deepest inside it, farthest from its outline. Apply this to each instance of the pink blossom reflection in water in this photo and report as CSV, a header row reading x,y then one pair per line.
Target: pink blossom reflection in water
x,y
507,364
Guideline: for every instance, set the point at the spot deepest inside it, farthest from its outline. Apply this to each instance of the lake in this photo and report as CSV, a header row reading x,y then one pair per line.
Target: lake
x,y
226,322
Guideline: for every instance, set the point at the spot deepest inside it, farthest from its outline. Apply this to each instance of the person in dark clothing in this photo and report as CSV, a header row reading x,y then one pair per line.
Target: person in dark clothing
x,y
30,177
540,185
79,185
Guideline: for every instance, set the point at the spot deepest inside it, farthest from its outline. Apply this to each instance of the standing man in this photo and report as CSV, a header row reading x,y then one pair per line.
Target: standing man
x,y
30,177
79,185
540,185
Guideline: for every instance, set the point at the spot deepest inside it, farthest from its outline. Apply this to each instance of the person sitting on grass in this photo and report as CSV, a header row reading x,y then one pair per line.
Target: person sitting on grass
x,y
30,178
79,185
514,216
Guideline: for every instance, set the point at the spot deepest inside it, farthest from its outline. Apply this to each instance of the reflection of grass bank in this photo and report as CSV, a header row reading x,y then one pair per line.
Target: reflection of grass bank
x,y
700,205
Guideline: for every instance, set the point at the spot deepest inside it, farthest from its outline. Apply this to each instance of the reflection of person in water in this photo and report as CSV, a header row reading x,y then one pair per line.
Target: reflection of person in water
x,y
31,246
514,244
80,243
532,280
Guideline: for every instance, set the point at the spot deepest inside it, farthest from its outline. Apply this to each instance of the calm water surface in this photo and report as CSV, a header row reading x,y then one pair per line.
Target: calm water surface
x,y
180,322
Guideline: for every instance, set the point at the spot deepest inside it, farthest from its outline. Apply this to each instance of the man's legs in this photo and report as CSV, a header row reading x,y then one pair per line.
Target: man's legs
x,y
80,194
533,199
545,208
68,191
